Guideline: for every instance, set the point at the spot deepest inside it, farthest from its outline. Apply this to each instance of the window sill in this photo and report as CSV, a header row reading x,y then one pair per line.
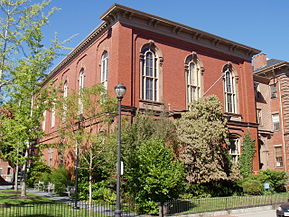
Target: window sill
x,y
233,116
147,104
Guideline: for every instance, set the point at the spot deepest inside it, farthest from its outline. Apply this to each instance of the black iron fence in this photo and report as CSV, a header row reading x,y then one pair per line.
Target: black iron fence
x,y
64,210
176,207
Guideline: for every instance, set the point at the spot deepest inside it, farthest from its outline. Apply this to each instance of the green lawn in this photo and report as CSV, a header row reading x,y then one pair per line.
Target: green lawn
x,y
11,204
224,203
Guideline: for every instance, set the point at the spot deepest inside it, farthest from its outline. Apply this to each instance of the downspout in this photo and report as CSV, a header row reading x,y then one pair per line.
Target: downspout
x,y
282,125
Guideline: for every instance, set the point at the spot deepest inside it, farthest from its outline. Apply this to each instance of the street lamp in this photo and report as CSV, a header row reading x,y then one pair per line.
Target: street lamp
x,y
81,118
119,90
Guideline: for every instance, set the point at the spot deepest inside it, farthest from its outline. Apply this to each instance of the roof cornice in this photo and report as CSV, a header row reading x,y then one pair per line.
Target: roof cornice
x,y
266,71
97,32
120,13
125,14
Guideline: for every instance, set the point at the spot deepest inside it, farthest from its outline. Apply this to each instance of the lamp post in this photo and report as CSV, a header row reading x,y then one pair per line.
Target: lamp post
x,y
81,118
119,90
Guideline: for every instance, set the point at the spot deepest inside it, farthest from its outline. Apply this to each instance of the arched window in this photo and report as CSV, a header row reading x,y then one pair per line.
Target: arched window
x,y
230,89
65,94
53,115
65,89
104,69
193,73
150,72
80,86
235,147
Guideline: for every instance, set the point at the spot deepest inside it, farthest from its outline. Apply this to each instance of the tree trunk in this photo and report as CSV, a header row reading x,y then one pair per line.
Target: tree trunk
x,y
16,176
24,170
90,184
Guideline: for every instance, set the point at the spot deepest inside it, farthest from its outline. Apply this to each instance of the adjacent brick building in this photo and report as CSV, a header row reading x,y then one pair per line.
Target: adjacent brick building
x,y
164,65
272,100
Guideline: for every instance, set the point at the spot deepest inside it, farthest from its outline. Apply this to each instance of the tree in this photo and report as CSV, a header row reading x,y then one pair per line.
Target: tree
x,y
202,134
20,33
246,158
23,66
152,171
85,125
155,177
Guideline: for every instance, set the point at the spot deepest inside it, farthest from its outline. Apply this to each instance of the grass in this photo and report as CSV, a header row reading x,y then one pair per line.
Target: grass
x,y
224,203
12,204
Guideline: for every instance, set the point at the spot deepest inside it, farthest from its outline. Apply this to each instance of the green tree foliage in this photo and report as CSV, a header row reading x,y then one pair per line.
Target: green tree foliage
x,y
36,170
156,176
21,23
252,187
276,179
24,63
246,158
85,127
150,165
202,134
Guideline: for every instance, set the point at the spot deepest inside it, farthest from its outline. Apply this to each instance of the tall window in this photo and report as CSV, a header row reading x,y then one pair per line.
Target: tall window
x,y
229,89
259,117
193,79
273,90
65,94
80,86
278,156
53,114
104,69
44,121
234,148
50,156
276,122
150,76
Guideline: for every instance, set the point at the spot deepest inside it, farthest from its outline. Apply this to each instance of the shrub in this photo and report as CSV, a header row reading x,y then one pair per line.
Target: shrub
x,y
252,187
153,176
36,171
61,179
246,158
277,179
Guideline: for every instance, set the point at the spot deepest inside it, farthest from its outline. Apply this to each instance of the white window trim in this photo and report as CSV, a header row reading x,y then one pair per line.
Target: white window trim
x,y
230,93
275,121
65,94
44,121
104,69
81,86
236,154
193,81
275,156
53,113
154,93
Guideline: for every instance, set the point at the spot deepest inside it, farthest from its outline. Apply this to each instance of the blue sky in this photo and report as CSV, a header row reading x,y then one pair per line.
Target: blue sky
x,y
261,24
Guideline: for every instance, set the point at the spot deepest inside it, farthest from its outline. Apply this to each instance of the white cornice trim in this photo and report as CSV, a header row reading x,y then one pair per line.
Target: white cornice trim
x,y
177,30
97,32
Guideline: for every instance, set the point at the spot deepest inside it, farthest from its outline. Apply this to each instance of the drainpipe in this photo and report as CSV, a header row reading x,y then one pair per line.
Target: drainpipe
x,y
282,127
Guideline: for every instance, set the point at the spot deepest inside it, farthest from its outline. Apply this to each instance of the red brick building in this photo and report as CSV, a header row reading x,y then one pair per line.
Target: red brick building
x,y
164,65
272,100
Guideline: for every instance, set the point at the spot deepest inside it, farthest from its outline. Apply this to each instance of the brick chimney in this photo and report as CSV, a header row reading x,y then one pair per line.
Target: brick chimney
x,y
259,61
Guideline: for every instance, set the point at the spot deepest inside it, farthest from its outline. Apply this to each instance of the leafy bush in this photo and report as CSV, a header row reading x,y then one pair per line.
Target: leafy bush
x,y
252,187
219,188
46,178
36,171
153,175
100,191
277,179
61,179
246,158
